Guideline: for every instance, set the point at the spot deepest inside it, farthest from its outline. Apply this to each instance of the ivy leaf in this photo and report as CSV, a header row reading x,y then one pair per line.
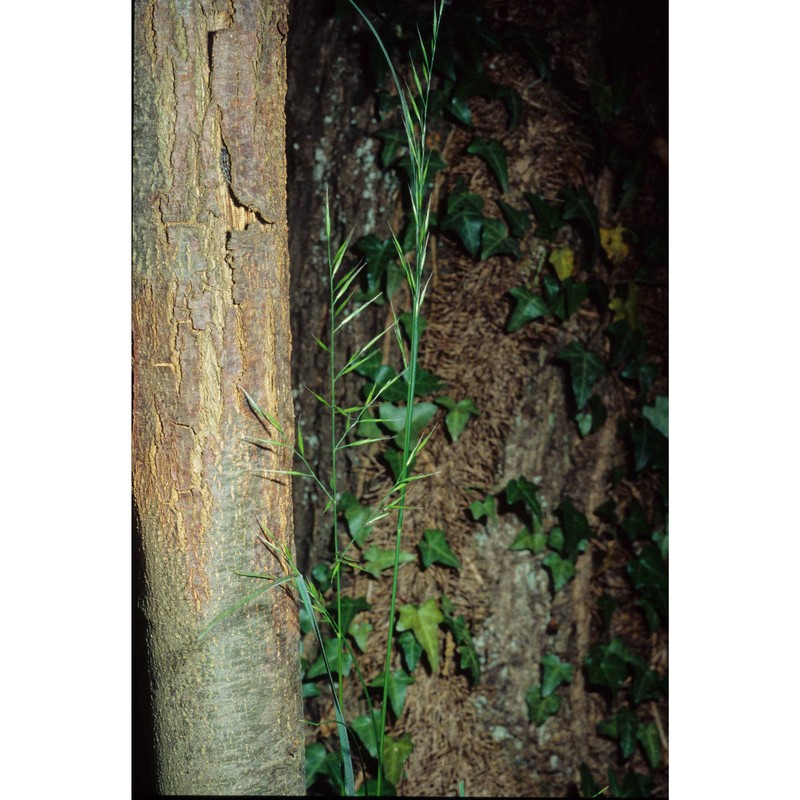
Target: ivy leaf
x,y
458,414
579,206
465,218
395,754
658,415
411,648
360,632
606,665
398,682
651,743
434,549
562,571
366,728
548,217
592,419
513,103
563,261
554,673
496,241
350,607
517,218
526,539
523,489
378,560
585,369
424,621
394,417
564,303
528,308
495,155
541,708
576,527
483,508
394,142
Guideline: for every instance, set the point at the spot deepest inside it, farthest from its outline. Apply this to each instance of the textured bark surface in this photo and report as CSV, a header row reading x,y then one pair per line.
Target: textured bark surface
x,y
210,318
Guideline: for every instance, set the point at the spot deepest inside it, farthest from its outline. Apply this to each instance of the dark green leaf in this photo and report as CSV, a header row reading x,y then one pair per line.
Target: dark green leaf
x,y
548,216
411,648
434,550
541,708
367,728
528,307
523,489
495,156
465,218
496,241
518,219
651,743
526,539
554,673
458,414
399,681
576,527
483,508
585,369
561,570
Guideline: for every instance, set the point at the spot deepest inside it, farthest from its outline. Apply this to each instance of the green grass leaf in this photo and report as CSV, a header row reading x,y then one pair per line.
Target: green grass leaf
x,y
495,155
434,550
458,414
585,369
424,622
528,308
496,241
554,673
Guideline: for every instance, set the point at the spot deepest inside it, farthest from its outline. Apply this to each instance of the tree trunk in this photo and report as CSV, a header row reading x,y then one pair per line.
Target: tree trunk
x,y
210,318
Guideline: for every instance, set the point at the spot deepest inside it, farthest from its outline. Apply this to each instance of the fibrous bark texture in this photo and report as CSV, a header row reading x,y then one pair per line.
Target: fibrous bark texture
x,y
210,319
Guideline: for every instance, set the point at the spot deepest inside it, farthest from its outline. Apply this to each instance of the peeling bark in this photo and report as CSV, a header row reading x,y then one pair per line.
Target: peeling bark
x,y
210,318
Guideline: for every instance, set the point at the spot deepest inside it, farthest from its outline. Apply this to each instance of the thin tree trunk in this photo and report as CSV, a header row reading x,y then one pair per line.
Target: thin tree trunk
x,y
210,318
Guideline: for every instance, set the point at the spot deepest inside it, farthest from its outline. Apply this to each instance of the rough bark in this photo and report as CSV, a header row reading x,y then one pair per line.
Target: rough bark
x,y
210,318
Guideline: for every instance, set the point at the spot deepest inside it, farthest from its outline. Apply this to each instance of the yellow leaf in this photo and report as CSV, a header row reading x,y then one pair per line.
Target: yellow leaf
x,y
613,242
563,260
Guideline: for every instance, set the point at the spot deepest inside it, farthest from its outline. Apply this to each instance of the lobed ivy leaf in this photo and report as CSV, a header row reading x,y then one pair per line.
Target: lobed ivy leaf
x,y
424,622
465,218
522,489
458,414
541,708
548,216
395,754
411,648
495,155
562,571
528,308
585,369
378,560
517,218
554,673
434,550
398,682
658,415
496,241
